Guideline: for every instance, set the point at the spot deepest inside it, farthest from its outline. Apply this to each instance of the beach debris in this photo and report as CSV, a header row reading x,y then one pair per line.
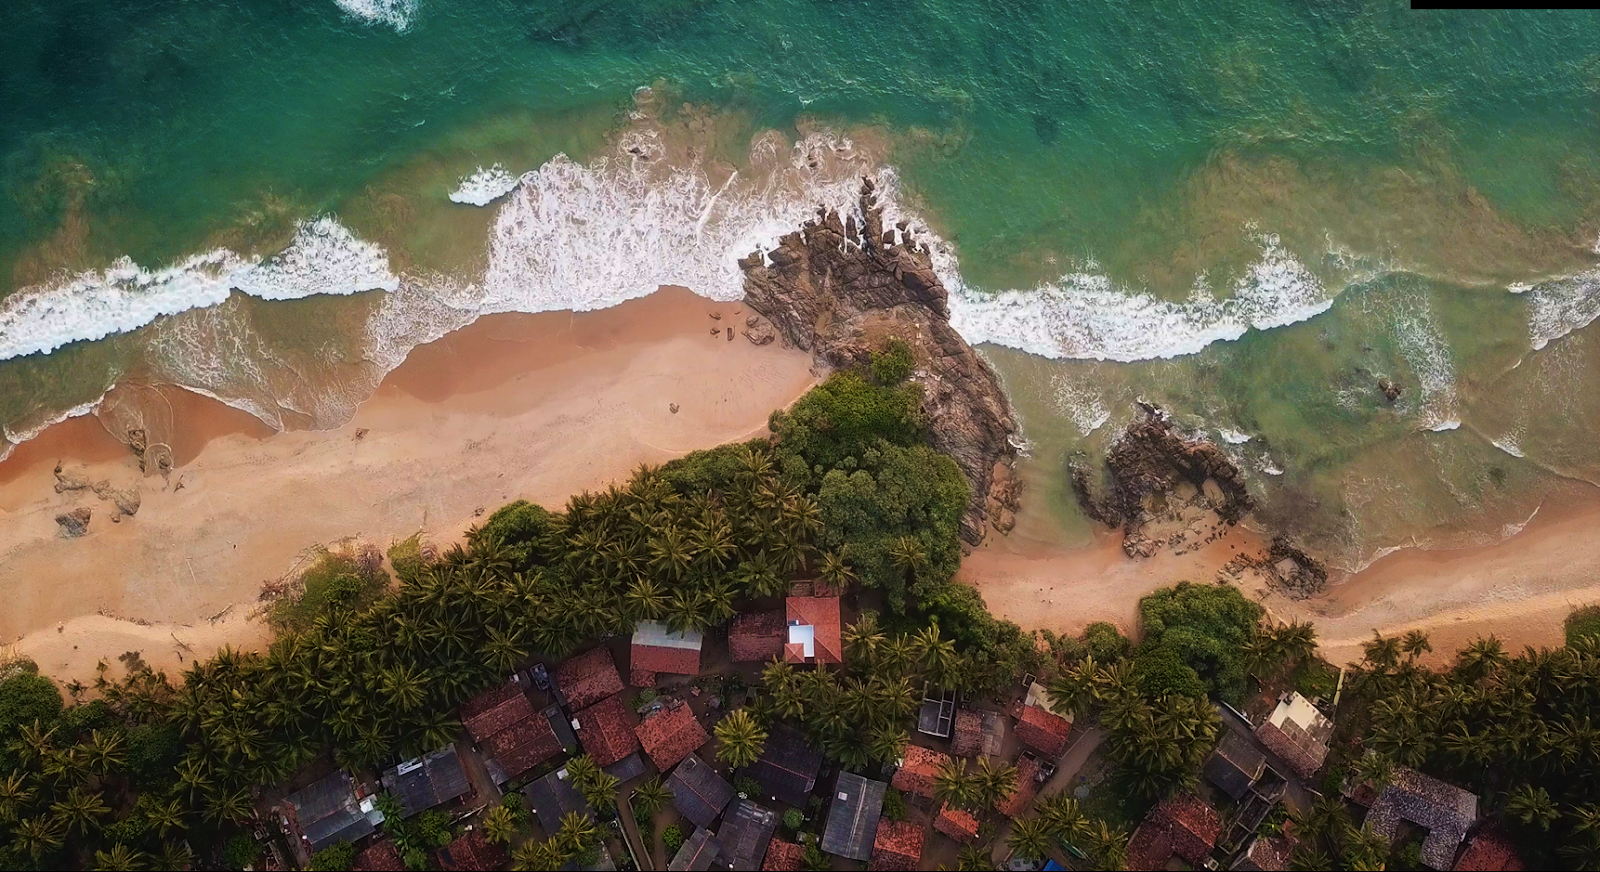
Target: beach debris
x,y
362,432
138,441
1285,569
715,332
716,316
74,523
1389,389
730,334
673,407
478,512
126,500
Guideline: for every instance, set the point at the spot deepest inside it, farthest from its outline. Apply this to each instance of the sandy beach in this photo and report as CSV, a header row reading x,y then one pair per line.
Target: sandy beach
x,y
514,406
1519,589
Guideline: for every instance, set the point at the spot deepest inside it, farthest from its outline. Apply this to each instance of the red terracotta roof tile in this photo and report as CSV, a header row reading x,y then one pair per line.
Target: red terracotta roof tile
x,y
898,846
1181,825
606,730
966,734
588,678
473,852
660,658
1023,790
523,745
756,636
671,735
1303,762
488,700
379,856
513,709
782,856
641,678
916,774
1488,851
794,652
822,613
957,824
1042,731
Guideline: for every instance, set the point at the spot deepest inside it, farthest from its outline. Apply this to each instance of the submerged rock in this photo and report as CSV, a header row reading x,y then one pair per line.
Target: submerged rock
x,y
74,523
840,290
1389,389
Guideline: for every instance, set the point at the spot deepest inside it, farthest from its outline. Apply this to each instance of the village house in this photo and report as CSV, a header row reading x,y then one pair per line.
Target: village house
x,y
1042,731
670,735
746,830
788,766
1025,788
428,781
659,649
814,634
783,857
1235,766
853,817
917,770
328,811
897,846
1298,733
699,851
588,678
606,730
1447,812
956,823
757,637
513,737
698,792
1181,826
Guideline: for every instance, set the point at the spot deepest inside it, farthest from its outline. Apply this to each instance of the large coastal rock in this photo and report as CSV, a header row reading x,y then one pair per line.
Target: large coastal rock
x,y
840,289
1164,489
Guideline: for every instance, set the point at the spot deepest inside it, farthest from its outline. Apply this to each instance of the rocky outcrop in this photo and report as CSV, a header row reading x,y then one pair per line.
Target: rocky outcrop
x,y
1160,482
74,523
1390,390
1283,567
840,288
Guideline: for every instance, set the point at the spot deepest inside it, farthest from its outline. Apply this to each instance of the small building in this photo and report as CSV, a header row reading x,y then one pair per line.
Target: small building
x,y
897,847
1265,854
1024,788
561,725
788,766
783,857
1444,810
746,830
628,768
937,715
956,823
659,649
698,792
588,678
380,856
1298,733
606,730
472,852
553,797
814,634
494,710
1181,826
917,770
428,781
670,735
1043,731
1235,766
1489,850
756,637
328,811
966,734
853,817
510,733
697,854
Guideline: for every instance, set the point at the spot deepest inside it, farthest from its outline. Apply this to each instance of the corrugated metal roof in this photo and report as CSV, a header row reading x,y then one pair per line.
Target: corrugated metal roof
x,y
853,817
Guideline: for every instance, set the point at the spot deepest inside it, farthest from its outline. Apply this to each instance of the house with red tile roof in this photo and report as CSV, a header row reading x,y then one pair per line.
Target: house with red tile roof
x,y
670,735
782,857
814,634
588,678
380,856
472,852
897,847
659,649
918,769
757,636
1489,850
1042,731
506,728
957,824
966,734
523,745
1298,733
492,711
1182,826
606,730
1023,789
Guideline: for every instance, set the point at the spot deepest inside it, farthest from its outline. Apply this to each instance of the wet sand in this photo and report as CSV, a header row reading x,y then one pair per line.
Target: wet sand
x,y
514,406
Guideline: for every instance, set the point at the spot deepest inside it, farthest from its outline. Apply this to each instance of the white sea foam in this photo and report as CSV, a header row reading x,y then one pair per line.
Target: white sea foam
x,y
1081,403
398,14
1559,306
324,258
13,438
1233,437
1424,348
484,186
1086,315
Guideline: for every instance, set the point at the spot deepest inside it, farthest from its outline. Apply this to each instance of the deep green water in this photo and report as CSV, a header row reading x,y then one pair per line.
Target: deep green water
x,y
1398,168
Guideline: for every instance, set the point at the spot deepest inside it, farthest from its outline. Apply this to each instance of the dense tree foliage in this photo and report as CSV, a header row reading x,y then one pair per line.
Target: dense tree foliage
x,y
1207,627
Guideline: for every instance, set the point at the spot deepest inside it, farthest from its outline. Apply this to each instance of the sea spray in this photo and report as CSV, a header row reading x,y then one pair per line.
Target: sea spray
x,y
484,186
1559,306
398,14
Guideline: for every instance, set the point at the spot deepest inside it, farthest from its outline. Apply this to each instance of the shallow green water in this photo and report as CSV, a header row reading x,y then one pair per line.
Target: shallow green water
x,y
1410,165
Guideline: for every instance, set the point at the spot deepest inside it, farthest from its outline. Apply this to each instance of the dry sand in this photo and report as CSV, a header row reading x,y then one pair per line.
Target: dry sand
x,y
1519,589
515,406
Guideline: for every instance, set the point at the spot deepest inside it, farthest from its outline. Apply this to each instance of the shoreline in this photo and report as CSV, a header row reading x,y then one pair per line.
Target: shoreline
x,y
536,407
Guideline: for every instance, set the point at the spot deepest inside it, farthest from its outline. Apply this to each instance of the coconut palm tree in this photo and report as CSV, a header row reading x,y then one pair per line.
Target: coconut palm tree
x,y
936,654
1532,806
759,575
1030,838
971,858
80,811
1108,845
952,785
120,858
650,797
600,791
576,833
1415,643
886,743
534,856
1061,814
1480,658
1381,654
740,740
15,794
1373,768
39,835
228,806
173,855
993,783
163,817
499,824
862,639
582,768
105,751
836,571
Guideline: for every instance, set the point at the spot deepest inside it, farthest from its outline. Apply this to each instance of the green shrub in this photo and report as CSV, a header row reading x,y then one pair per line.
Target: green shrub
x,y
153,753
1208,627
406,558
520,528
239,852
846,415
24,698
748,786
672,839
338,857
1105,643
1584,621
335,580
893,364
1161,671
894,805
793,820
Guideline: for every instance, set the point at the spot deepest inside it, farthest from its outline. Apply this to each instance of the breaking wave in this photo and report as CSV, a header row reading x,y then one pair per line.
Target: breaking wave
x,y
1559,306
484,186
395,13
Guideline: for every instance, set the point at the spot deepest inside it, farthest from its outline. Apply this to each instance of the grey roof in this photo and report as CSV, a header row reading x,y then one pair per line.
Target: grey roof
x,y
655,634
788,766
853,817
1235,765
1444,810
430,780
328,811
628,768
552,797
698,791
562,727
744,834
937,713
697,853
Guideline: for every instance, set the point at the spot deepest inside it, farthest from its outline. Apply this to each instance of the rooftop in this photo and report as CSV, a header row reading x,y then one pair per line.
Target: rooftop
x,y
1042,731
626,769
699,851
757,636
853,817
937,716
658,649
588,678
327,811
487,700
1298,733
966,733
523,745
552,797
492,720
821,614
606,730
1266,854
897,847
788,766
746,829
1182,825
472,852
1025,787
1235,765
698,792
430,780
671,735
1489,850
917,770
380,856
957,824
783,857
1444,810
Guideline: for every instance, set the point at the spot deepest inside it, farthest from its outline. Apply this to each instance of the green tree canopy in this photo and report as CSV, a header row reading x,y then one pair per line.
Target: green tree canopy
x,y
1209,627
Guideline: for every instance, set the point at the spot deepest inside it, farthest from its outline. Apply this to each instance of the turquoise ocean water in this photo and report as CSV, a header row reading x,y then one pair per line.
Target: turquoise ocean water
x,y
1248,212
